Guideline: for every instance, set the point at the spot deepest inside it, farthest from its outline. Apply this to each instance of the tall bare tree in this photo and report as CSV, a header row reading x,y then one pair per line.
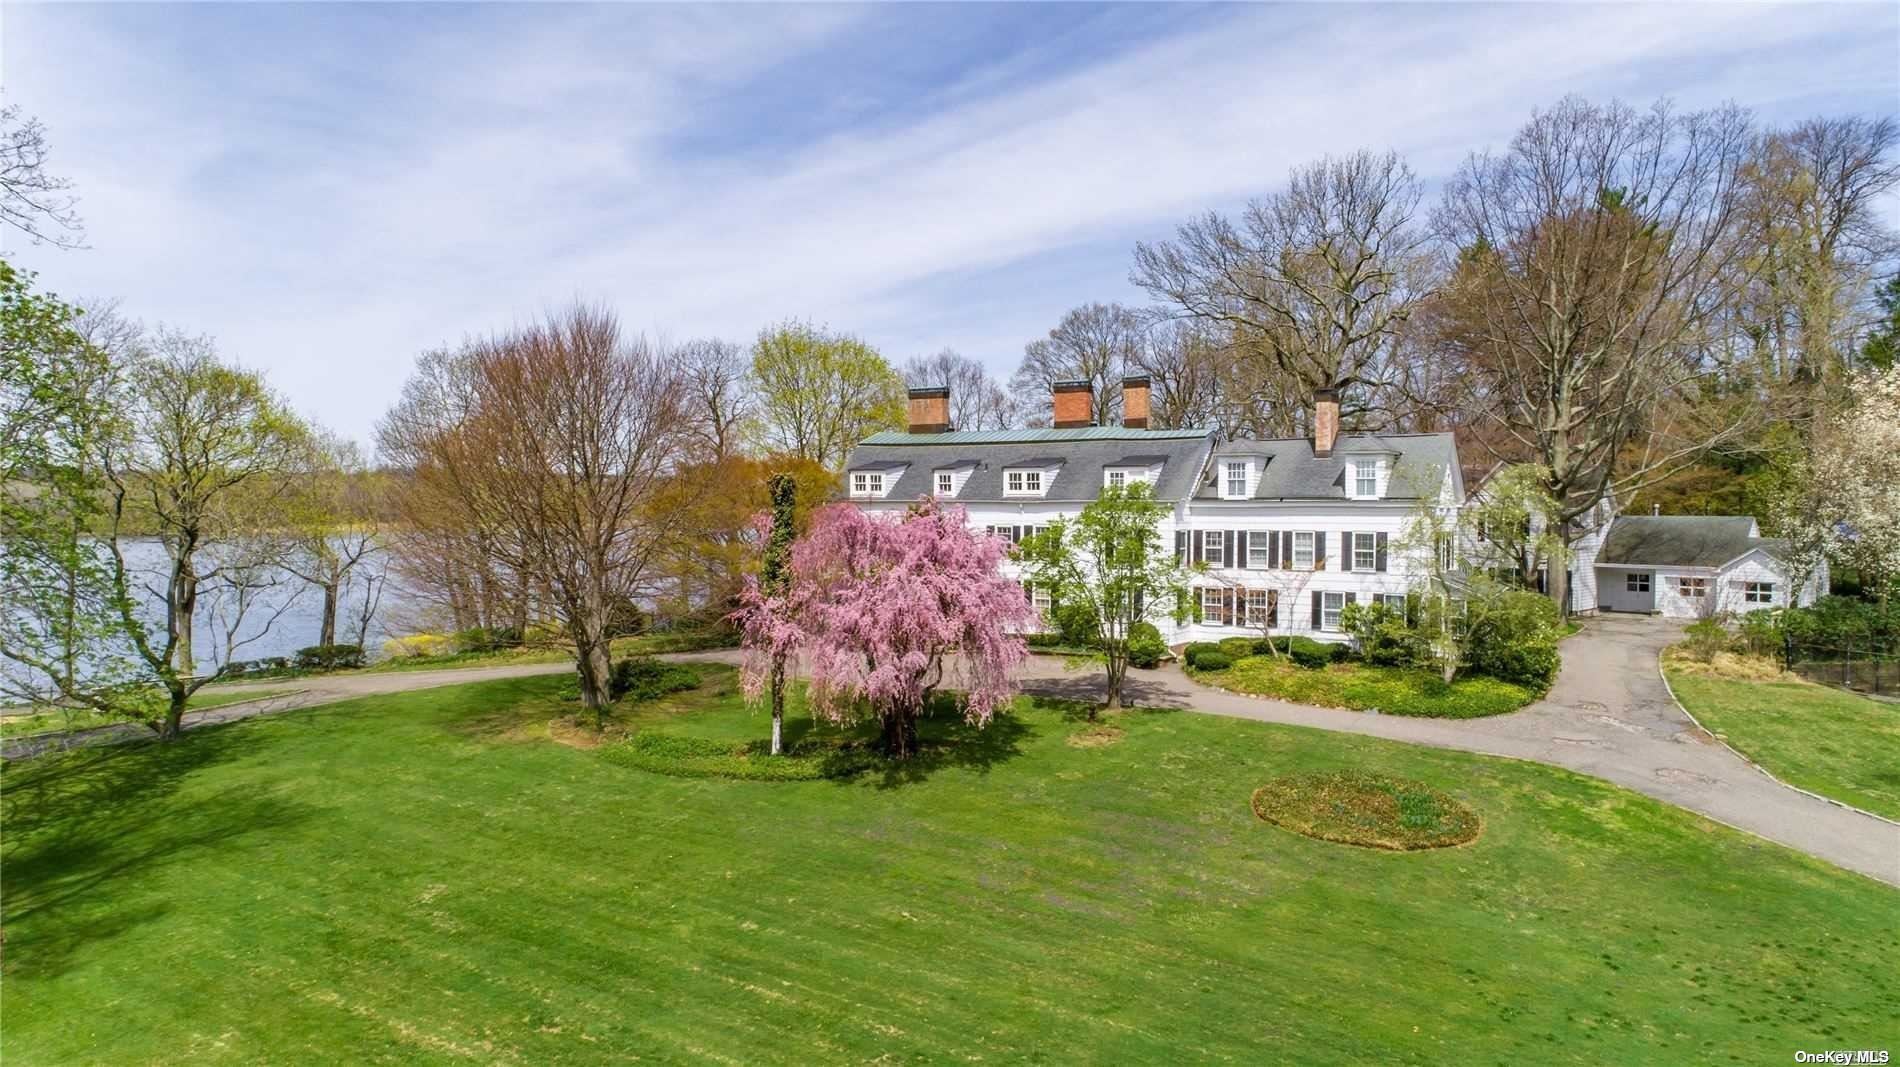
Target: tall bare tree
x,y
1096,343
1315,281
572,431
33,201
718,398
976,401
1185,364
1596,254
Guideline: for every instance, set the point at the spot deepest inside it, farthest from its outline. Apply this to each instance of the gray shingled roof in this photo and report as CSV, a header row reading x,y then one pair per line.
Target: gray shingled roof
x,y
1081,454
1292,472
1683,541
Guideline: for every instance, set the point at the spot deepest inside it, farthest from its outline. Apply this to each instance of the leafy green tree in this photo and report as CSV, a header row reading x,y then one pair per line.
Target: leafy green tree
x,y
1884,342
61,638
820,393
773,581
1110,563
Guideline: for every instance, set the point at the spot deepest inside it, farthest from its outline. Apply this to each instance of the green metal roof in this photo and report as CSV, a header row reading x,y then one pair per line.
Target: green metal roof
x,y
995,437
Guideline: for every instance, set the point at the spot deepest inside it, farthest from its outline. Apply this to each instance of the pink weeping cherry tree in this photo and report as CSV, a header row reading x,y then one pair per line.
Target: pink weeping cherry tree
x,y
884,610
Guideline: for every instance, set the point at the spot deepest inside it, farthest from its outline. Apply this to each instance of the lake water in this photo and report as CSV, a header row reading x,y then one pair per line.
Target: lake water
x,y
284,617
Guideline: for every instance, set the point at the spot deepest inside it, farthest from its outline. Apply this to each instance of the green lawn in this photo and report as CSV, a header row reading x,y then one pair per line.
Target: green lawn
x,y
1362,687
22,725
427,878
1834,743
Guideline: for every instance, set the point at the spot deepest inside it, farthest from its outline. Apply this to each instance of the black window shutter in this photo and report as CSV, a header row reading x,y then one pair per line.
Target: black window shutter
x,y
1381,553
1140,603
1273,607
1180,546
1345,555
1352,598
1286,549
1319,550
1316,615
1196,545
1273,550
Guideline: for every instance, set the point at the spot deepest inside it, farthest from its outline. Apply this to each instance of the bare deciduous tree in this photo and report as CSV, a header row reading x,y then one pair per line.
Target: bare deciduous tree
x,y
1314,282
1184,364
1096,343
977,402
332,526
33,201
1595,254
571,432
718,398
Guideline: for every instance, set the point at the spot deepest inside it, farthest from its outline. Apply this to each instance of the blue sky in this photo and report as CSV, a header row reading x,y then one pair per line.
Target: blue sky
x,y
329,189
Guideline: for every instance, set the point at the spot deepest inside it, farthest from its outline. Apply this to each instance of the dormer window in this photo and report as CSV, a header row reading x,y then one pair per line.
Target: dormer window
x,y
1021,482
946,483
1116,479
1235,474
1365,477
867,483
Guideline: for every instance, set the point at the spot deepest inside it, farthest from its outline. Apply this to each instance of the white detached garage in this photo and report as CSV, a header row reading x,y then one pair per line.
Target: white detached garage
x,y
1692,566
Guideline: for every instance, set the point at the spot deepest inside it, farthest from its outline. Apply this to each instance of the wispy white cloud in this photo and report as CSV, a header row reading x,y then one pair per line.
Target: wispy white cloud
x,y
331,190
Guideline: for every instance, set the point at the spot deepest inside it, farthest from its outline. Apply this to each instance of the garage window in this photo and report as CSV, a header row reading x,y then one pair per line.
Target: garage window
x,y
1636,583
1692,588
1758,592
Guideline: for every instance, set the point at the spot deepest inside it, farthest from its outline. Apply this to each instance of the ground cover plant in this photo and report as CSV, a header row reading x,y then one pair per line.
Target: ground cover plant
x,y
1369,810
426,877
1834,743
1366,687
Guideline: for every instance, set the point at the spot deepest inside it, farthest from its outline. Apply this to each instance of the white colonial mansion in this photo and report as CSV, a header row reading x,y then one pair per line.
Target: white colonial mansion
x,y
1290,531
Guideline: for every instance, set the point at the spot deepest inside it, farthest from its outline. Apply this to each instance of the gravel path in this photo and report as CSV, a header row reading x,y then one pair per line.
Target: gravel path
x,y
1609,715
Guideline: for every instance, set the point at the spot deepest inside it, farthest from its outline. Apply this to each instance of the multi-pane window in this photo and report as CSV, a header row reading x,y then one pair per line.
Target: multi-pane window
x,y
1022,482
1259,542
1303,551
1365,479
1117,479
1693,588
1213,604
1039,596
1365,552
1213,546
867,483
1758,592
1636,582
1330,605
1236,482
1260,607
1395,601
946,483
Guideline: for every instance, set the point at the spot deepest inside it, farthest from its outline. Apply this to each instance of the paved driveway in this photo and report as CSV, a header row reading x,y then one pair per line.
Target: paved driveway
x,y
1608,716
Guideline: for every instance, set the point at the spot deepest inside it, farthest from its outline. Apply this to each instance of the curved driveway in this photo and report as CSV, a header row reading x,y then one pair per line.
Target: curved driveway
x,y
1608,715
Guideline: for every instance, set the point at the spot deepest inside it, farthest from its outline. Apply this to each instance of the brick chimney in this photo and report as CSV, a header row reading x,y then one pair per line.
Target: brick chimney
x,y
930,409
1135,402
1325,421
1074,405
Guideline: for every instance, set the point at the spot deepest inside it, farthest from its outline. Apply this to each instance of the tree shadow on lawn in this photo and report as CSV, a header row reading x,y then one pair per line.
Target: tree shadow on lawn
x,y
947,741
1086,691
85,830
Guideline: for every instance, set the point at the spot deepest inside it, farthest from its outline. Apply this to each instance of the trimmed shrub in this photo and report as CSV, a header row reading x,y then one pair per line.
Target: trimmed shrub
x,y
243,668
329,657
1517,641
1191,655
1146,649
1311,654
1383,636
1236,647
487,638
645,678
1076,625
1212,661
1043,640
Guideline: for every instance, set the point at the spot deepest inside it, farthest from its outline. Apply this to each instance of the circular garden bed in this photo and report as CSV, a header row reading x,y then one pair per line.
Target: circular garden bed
x,y
1369,810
